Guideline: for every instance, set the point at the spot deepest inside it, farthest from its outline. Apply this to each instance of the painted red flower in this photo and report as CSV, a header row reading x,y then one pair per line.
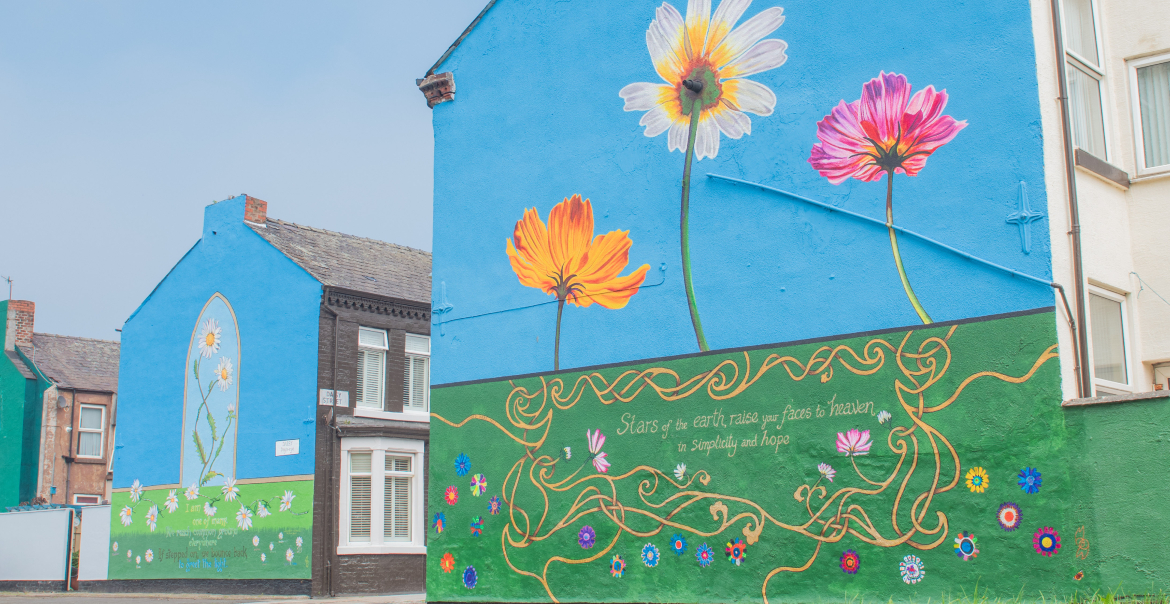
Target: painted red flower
x,y
850,562
886,130
451,496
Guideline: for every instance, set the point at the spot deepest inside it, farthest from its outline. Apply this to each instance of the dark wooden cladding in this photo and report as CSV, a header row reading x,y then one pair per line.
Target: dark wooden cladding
x,y
366,573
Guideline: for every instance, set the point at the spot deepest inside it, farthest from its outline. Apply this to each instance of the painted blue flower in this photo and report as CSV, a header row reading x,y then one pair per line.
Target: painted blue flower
x,y
440,522
678,544
1030,480
462,465
586,537
650,555
469,577
705,555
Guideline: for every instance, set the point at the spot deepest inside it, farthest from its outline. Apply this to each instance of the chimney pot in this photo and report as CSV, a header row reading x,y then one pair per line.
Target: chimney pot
x,y
256,211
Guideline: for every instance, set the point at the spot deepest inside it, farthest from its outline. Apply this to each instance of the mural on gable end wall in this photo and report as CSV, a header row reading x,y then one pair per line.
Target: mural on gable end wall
x,y
783,473
216,526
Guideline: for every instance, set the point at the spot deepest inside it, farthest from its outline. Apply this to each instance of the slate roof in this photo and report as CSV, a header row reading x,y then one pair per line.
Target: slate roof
x,y
354,263
20,366
72,362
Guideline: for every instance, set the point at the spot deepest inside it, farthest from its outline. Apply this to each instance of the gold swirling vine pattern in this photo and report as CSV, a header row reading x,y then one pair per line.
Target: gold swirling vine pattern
x,y
830,516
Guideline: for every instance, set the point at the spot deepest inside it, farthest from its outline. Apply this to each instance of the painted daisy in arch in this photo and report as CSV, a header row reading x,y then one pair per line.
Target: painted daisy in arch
x,y
223,376
209,340
704,61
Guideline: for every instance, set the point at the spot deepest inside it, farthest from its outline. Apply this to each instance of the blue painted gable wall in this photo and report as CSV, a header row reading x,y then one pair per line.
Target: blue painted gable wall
x,y
537,118
276,304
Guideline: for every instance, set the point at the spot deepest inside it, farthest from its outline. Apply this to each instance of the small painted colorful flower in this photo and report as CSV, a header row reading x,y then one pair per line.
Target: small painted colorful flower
x,y
586,537
977,479
826,471
965,546
735,551
451,495
704,555
476,526
447,563
478,485
1046,541
568,453
650,555
596,441
617,566
911,569
884,417
1008,516
462,465
854,442
678,544
850,562
1029,480
494,505
470,578
680,471
439,522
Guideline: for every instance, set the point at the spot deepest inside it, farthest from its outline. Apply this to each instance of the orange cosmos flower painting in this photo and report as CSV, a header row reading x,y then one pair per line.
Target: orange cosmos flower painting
x,y
564,259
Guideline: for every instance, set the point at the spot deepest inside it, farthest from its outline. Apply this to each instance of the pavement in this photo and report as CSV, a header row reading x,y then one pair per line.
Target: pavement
x,y
103,598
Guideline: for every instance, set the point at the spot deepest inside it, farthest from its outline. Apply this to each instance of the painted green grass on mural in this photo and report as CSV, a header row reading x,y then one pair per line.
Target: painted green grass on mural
x,y
731,446
162,533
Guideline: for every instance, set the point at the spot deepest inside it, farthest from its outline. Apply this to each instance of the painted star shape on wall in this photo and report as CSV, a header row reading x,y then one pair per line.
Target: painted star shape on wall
x,y
1024,217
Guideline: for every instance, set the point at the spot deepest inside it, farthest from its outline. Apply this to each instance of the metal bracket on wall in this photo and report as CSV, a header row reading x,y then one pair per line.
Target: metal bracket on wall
x,y
441,307
1023,217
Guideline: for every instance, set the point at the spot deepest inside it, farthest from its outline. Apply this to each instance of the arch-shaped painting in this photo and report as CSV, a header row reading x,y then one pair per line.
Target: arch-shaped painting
x,y
211,397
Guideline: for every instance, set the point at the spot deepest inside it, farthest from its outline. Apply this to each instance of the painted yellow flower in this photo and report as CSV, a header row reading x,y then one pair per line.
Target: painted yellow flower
x,y
977,479
565,260
703,61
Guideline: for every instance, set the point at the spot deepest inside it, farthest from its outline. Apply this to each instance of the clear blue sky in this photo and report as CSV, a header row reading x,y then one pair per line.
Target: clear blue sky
x,y
120,121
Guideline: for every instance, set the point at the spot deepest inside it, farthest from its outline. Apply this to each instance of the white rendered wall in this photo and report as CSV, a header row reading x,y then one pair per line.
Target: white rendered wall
x,y
35,545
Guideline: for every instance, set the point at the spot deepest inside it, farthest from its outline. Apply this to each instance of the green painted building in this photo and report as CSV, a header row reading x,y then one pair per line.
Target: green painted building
x,y
22,389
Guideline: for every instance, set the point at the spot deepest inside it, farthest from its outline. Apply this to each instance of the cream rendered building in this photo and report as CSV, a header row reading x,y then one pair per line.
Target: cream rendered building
x,y
1114,56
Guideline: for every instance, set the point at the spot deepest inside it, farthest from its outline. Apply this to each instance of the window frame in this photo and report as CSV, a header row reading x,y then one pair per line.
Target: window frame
x,y
407,414
1095,70
76,502
1108,386
1139,141
384,350
380,447
101,432
426,405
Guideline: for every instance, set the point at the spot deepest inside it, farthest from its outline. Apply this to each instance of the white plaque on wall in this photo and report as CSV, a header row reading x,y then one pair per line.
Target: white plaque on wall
x,y
288,447
342,398
326,397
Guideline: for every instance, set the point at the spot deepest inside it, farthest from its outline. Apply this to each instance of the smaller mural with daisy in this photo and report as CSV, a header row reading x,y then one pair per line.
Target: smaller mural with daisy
x,y
238,529
211,406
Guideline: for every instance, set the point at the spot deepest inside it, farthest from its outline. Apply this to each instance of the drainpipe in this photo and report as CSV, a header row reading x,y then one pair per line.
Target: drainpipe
x,y
330,494
69,458
1084,377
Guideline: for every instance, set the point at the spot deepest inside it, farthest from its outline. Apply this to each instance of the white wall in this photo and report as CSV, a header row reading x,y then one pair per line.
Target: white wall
x,y
94,562
35,545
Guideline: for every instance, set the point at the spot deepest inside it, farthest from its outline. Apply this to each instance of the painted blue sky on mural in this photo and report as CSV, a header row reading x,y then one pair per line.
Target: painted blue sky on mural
x,y
539,119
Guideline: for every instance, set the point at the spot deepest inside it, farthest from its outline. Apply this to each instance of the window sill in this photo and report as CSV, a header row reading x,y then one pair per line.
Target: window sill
x,y
1102,169
351,550
403,416
1120,398
1151,174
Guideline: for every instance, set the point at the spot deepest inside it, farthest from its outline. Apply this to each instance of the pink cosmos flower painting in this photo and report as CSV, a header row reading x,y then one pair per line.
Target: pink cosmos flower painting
x,y
596,441
854,442
886,131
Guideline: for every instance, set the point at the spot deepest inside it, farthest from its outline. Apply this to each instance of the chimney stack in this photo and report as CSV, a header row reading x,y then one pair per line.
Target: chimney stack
x,y
255,211
19,324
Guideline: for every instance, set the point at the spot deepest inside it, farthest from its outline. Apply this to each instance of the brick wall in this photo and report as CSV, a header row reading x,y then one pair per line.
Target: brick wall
x,y
20,322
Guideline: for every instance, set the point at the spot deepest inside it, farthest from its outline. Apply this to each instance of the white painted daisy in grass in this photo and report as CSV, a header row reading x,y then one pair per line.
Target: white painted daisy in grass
x,y
172,501
680,471
152,517
209,509
300,543
262,509
137,560
129,554
209,340
286,501
704,61
288,555
263,558
223,376
271,545
135,490
149,555
192,492
244,518
230,491
126,515
255,540
115,546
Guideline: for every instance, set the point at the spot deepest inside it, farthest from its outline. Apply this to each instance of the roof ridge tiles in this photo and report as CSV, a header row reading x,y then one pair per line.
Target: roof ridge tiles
x,y
340,234
55,335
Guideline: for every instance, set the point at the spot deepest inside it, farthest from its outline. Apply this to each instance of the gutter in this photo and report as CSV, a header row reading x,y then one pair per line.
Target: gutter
x,y
459,40
1084,378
